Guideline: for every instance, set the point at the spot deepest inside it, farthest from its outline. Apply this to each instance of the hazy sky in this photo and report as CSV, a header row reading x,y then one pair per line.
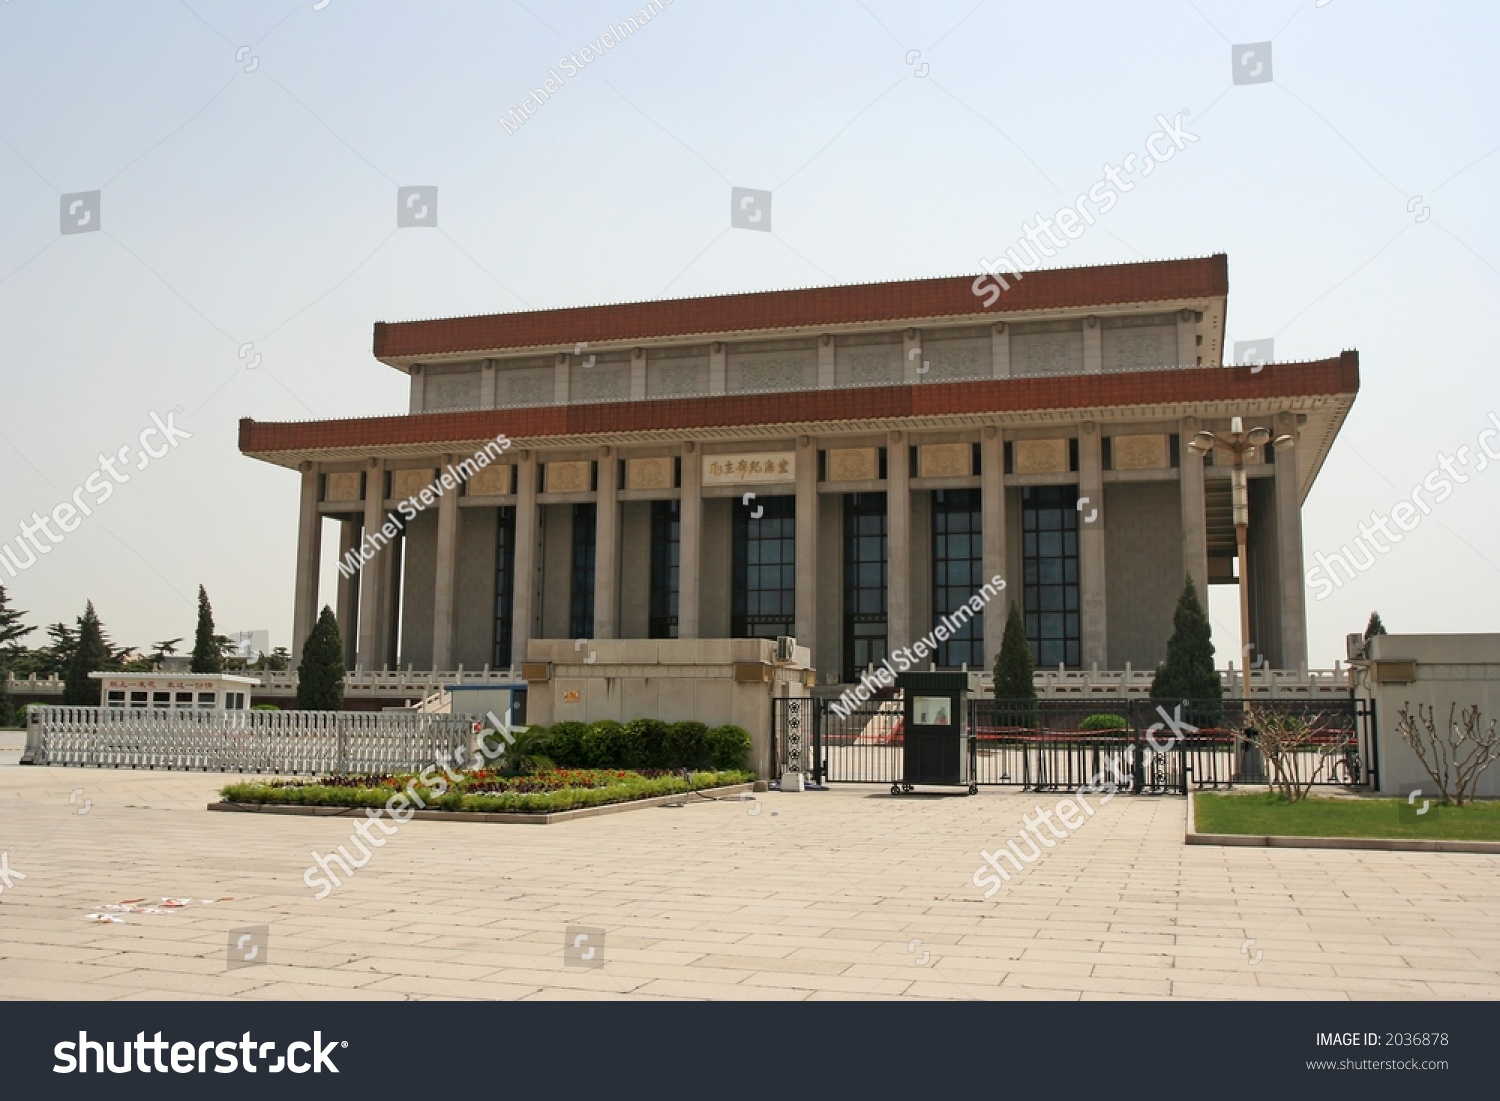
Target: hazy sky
x,y
247,157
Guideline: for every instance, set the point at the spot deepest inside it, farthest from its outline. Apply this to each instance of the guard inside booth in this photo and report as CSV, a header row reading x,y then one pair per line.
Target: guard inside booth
x,y
935,742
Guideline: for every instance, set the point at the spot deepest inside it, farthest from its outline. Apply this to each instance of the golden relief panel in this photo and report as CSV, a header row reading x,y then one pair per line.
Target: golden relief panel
x,y
1041,456
853,464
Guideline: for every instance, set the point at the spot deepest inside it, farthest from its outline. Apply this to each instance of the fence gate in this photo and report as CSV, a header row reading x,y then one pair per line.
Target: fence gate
x,y
1064,744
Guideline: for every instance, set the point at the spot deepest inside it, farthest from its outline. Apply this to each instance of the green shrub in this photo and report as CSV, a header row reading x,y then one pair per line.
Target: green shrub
x,y
565,743
728,746
686,745
264,707
1104,722
605,745
647,744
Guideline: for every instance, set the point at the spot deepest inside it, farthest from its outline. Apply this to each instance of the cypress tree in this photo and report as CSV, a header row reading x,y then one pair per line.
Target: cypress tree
x,y
10,630
1374,627
1015,692
320,677
91,654
1189,672
207,656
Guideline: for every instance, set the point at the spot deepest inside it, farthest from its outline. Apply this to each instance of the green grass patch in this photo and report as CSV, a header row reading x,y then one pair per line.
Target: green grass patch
x,y
1266,814
544,793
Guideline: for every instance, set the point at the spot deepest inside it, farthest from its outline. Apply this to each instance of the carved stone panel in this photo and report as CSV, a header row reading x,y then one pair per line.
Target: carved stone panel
x,y
649,473
766,466
490,481
601,382
342,486
1041,456
944,460
530,386
409,483
569,477
853,464
1058,353
456,391
670,378
1141,452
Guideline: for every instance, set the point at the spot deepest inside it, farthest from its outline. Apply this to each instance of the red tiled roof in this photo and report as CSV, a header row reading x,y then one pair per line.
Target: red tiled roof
x,y
1178,386
1157,280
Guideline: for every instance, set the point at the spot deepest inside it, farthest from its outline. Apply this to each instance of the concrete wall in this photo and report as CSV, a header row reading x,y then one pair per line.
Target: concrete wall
x,y
1143,569
1451,669
474,588
668,679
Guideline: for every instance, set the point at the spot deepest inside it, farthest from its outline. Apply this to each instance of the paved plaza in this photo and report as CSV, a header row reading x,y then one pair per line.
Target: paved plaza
x,y
846,894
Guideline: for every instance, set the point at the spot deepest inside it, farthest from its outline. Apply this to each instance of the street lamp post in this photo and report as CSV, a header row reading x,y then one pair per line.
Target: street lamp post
x,y
1237,441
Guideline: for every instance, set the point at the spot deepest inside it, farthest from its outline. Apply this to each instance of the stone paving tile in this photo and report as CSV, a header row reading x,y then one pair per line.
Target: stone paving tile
x,y
824,899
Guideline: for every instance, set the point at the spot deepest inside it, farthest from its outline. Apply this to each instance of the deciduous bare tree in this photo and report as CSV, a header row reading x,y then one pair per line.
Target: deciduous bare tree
x,y
1456,757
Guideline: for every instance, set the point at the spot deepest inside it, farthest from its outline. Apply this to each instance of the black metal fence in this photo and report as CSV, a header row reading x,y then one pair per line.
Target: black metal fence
x,y
1133,744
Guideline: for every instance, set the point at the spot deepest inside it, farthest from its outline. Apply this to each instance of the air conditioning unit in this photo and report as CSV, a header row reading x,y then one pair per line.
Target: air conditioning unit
x,y
1354,646
786,648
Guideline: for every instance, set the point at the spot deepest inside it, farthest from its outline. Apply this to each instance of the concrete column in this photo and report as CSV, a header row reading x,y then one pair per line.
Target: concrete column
x,y
418,388
487,385
347,611
445,569
560,380
898,542
690,547
1289,549
607,547
827,362
370,636
805,623
638,375
911,357
523,603
309,559
1000,350
1091,596
718,368
1194,518
992,503
1187,338
1093,347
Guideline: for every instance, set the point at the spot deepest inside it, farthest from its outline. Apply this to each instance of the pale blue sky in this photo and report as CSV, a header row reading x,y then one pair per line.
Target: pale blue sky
x,y
260,207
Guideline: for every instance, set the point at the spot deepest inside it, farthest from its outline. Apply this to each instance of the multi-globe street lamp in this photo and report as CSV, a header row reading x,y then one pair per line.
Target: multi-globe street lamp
x,y
1237,441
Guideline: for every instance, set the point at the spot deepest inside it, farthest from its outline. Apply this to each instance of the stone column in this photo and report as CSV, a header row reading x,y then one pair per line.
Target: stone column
x,y
1187,338
718,368
805,623
827,362
418,388
898,543
309,560
560,379
690,545
1194,518
607,547
1000,351
371,641
445,569
347,611
911,357
1289,548
1091,596
1093,347
992,504
524,601
638,375
487,385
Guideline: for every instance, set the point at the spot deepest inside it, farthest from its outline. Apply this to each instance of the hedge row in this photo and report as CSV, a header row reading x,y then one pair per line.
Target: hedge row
x,y
643,743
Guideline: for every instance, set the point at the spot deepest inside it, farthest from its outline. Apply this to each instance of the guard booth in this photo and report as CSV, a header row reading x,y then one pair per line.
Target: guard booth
x,y
935,731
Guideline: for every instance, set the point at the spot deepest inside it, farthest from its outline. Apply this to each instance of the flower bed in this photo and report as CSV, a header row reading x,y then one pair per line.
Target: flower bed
x,y
481,790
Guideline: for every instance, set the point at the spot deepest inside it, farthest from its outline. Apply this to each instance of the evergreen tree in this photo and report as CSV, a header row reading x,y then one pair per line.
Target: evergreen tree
x,y
320,677
207,656
1189,672
91,654
1374,627
1015,691
10,630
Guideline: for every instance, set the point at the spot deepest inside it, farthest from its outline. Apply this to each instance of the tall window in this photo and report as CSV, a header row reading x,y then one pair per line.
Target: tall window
x,y
581,588
765,569
665,550
1049,537
505,585
865,576
957,573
